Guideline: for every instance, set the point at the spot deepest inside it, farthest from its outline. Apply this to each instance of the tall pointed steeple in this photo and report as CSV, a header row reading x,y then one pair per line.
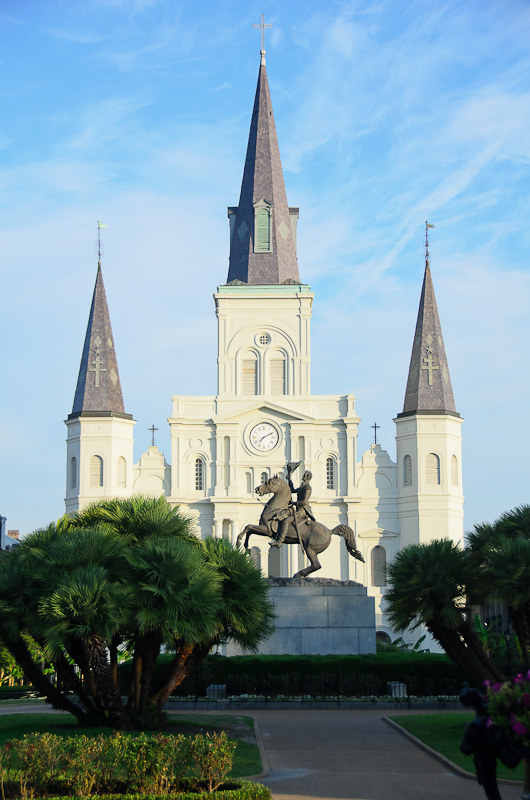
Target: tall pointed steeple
x,y
98,384
429,384
262,238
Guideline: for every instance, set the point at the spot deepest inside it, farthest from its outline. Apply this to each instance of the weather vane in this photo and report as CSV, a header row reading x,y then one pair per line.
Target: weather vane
x,y
100,226
427,226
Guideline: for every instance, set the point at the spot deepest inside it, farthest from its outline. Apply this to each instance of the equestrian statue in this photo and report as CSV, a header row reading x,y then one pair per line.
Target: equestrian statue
x,y
283,520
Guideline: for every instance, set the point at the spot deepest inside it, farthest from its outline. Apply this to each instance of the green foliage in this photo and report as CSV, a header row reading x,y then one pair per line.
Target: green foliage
x,y
232,790
42,763
212,756
509,705
324,676
125,575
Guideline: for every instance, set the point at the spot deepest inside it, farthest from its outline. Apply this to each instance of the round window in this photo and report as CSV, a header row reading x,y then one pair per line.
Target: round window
x,y
264,339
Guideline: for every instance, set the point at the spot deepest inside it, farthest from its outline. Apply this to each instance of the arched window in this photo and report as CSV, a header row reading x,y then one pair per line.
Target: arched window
x,y
378,566
278,375
264,477
248,480
432,465
407,471
331,477
255,556
73,473
454,471
262,230
249,369
122,472
95,472
199,474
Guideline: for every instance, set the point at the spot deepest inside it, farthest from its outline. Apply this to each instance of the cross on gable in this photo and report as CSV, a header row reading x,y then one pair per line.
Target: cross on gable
x,y
152,429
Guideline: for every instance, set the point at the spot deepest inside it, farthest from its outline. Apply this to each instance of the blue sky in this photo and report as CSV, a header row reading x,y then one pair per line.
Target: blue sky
x,y
136,112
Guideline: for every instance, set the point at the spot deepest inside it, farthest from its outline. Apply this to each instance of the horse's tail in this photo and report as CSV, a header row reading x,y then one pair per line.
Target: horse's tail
x,y
349,537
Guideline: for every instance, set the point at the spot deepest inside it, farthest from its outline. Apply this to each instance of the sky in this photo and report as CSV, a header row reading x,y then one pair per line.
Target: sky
x,y
136,113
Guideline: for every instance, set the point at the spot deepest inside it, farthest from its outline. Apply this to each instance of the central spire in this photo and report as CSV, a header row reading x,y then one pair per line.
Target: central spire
x,y
262,238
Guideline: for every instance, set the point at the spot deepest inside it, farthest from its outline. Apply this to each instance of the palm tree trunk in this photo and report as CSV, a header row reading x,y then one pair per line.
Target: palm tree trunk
x,y
472,640
77,652
184,662
150,652
134,690
517,619
69,679
96,648
452,643
53,695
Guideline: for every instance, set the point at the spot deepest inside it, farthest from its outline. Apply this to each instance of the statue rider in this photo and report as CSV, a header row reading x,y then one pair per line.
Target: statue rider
x,y
300,507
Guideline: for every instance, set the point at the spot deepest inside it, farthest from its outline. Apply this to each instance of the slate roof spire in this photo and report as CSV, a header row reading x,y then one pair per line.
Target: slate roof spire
x,y
264,255
98,389
429,384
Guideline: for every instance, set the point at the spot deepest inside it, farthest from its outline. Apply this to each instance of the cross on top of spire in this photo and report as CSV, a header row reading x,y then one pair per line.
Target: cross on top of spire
x,y
262,26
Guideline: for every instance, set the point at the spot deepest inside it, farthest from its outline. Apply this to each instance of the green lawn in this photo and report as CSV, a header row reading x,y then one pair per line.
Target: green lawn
x,y
246,761
443,732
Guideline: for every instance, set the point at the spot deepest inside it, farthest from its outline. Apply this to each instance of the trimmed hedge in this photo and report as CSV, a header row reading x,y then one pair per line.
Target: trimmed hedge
x,y
235,790
155,764
424,674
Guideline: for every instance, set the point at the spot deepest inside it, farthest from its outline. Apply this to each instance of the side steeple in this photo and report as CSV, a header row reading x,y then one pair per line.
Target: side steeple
x,y
428,435
98,384
262,226
429,384
99,443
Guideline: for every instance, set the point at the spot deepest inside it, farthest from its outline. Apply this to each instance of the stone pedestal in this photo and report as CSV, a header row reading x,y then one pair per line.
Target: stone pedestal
x,y
319,615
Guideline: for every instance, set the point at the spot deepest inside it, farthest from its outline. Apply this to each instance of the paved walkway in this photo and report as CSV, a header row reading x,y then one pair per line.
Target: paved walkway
x,y
347,755
354,755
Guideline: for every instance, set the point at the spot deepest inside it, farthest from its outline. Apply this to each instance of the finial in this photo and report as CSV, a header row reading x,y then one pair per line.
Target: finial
x,y
262,27
100,226
375,427
427,226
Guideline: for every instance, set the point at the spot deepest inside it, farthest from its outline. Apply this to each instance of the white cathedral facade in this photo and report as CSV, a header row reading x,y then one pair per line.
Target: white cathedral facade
x,y
264,414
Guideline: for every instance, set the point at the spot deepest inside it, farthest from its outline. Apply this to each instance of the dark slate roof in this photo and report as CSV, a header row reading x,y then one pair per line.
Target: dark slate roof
x,y
262,180
98,385
429,385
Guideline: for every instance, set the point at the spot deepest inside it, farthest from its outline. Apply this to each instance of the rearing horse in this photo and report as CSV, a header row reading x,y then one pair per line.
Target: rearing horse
x,y
315,537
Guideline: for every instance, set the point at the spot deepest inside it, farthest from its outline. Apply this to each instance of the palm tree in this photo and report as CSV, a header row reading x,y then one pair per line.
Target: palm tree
x,y
126,574
429,584
244,613
501,555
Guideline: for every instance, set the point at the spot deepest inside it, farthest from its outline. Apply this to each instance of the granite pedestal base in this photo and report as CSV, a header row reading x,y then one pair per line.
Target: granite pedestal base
x,y
319,616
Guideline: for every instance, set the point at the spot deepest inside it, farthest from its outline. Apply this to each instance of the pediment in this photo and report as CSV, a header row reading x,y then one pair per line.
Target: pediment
x,y
263,407
377,533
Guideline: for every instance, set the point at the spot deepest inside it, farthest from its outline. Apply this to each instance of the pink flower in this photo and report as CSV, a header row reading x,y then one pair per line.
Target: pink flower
x,y
517,727
496,687
488,683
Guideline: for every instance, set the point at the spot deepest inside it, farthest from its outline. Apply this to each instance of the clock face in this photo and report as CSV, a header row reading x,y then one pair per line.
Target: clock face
x,y
264,437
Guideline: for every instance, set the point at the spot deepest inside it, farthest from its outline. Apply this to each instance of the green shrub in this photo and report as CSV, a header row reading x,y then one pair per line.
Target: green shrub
x,y
323,676
213,755
43,763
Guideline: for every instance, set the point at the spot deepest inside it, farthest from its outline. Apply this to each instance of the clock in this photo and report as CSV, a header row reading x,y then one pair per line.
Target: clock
x,y
264,437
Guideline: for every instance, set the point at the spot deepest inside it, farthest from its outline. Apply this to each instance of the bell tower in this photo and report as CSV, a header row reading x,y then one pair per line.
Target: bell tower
x,y
99,444
428,437
263,310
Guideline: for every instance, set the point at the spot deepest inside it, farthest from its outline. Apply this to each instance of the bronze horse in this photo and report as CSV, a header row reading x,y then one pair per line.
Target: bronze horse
x,y
314,536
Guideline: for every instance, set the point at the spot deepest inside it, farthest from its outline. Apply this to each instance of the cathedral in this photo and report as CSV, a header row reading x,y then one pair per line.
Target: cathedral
x,y
264,414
